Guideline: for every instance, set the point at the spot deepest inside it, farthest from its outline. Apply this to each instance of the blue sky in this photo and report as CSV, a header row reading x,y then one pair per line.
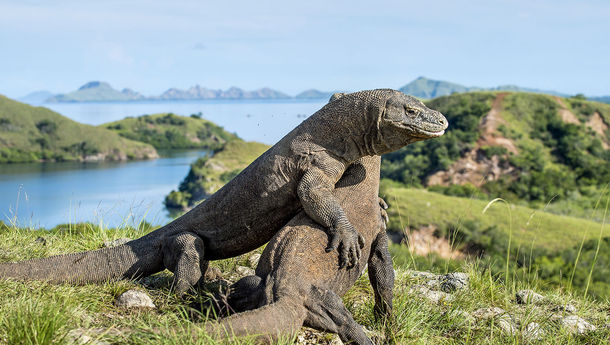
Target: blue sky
x,y
291,46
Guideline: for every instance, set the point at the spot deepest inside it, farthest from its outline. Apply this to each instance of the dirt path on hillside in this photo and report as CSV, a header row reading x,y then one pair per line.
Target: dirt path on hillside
x,y
488,127
566,115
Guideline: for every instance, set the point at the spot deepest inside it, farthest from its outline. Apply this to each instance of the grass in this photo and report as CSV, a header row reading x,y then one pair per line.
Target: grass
x,y
40,313
32,134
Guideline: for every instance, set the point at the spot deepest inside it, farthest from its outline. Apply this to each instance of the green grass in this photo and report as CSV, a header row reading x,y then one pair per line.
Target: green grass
x,y
40,313
32,134
169,131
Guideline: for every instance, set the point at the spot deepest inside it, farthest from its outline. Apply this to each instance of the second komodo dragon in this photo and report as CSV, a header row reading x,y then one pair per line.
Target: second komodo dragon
x,y
297,173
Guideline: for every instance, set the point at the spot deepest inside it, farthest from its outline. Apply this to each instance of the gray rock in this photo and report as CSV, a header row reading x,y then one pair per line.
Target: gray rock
x,y
431,295
83,336
454,281
533,332
244,271
308,336
422,274
488,313
41,240
213,273
528,296
567,308
116,243
576,325
253,260
506,323
134,299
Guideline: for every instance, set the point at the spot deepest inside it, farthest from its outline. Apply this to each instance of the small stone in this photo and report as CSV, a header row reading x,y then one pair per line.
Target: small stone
x,y
506,324
432,296
80,336
117,242
244,271
421,274
567,308
212,273
576,325
528,296
134,299
253,260
454,281
488,313
533,331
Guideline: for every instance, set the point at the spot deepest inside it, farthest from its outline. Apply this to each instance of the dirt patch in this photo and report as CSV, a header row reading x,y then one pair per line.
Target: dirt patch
x,y
597,124
566,115
488,127
423,242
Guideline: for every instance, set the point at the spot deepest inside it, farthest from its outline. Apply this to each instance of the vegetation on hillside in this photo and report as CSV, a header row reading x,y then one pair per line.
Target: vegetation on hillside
x,y
169,131
209,173
33,134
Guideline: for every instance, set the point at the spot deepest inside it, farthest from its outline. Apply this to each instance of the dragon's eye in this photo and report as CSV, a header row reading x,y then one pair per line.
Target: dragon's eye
x,y
411,112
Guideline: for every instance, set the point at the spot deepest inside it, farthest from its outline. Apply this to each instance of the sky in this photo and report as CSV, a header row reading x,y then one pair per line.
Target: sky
x,y
150,46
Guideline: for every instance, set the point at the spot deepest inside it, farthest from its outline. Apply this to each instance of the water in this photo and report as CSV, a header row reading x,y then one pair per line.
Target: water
x,y
118,193
266,121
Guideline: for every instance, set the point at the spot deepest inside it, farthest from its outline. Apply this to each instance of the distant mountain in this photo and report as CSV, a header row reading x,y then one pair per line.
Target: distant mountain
x,y
603,99
314,94
427,88
198,92
36,97
97,91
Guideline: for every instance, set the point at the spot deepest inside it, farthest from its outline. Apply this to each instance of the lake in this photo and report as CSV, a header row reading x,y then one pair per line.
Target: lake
x,y
120,193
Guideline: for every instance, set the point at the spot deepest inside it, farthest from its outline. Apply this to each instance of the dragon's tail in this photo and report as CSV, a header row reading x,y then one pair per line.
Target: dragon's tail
x,y
279,320
135,258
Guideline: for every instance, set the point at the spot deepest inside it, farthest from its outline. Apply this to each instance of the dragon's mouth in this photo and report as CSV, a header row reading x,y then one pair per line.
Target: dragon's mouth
x,y
422,133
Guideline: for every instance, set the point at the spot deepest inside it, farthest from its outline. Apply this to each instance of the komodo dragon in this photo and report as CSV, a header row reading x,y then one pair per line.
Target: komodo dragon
x,y
297,283
297,173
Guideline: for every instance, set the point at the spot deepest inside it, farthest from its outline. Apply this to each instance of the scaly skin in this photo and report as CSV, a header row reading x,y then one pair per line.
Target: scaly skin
x,y
297,283
298,173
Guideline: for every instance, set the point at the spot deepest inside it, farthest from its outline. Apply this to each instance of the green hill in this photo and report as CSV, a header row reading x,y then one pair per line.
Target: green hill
x,y
523,147
169,131
32,134
208,174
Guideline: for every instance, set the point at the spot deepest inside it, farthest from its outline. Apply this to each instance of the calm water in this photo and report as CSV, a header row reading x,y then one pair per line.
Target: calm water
x,y
264,121
48,194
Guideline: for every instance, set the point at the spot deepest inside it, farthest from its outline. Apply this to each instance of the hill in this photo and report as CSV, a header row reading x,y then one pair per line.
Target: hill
x,y
169,131
427,88
208,174
314,94
32,134
36,97
97,91
519,146
198,92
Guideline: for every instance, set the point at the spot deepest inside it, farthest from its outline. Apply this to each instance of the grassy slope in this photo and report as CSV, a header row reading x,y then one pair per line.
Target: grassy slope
x,y
40,313
29,134
169,131
208,174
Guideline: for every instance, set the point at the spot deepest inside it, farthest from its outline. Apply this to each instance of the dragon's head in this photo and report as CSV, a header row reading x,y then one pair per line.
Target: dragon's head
x,y
405,120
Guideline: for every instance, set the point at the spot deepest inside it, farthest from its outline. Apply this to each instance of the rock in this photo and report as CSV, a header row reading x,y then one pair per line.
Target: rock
x,y
488,313
41,240
253,260
244,271
533,331
431,295
506,323
454,281
463,317
213,273
116,243
528,296
134,299
567,308
576,325
82,336
421,274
